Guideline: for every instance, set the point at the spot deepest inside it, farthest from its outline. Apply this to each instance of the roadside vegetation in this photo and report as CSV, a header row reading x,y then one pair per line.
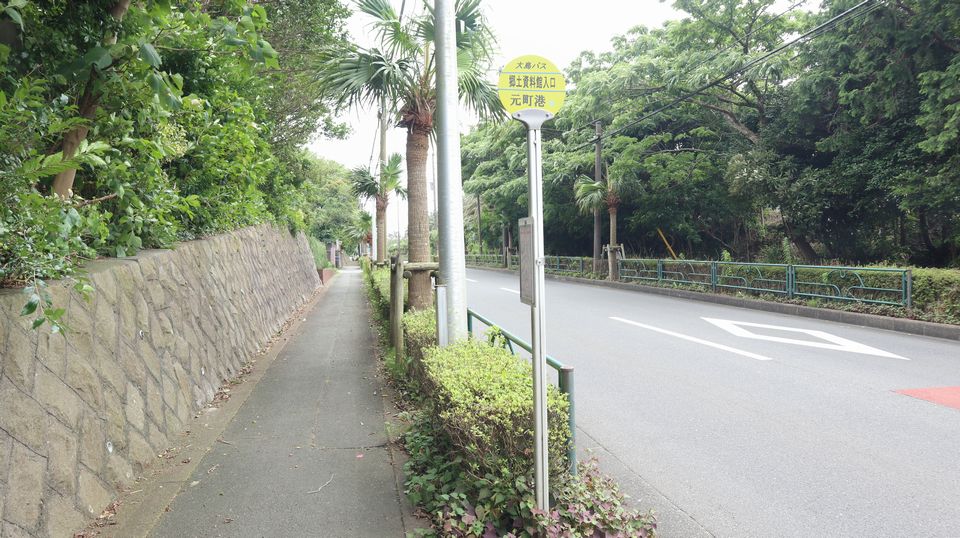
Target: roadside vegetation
x,y
844,149
935,292
129,125
469,408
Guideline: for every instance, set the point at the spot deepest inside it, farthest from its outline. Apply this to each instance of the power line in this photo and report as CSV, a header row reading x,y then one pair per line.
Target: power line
x,y
717,54
373,148
857,10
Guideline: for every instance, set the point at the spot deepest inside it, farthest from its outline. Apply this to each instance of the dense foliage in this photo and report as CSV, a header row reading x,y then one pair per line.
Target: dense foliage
x,y
845,147
133,124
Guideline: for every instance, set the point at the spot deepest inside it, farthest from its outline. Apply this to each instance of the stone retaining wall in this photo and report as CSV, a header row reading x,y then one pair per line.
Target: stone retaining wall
x,y
82,415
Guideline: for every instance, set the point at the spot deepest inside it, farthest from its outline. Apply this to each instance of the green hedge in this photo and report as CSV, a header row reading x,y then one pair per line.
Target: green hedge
x,y
936,295
471,452
482,396
419,334
378,286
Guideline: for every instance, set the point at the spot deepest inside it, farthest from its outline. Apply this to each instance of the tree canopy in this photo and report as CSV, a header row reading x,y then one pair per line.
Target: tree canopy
x,y
134,124
846,144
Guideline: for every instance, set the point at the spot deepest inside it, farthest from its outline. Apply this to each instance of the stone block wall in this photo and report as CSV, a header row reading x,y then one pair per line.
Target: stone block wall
x,y
83,414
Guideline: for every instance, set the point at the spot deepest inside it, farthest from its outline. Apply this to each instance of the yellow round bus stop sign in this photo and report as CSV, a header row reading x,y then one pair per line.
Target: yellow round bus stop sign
x,y
531,83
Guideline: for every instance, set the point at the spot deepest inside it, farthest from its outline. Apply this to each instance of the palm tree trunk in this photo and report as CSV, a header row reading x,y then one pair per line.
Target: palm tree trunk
x,y
382,228
418,218
613,225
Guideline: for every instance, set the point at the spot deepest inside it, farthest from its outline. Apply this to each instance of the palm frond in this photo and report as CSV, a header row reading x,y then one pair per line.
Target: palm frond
x,y
590,194
475,91
390,177
360,77
363,183
398,38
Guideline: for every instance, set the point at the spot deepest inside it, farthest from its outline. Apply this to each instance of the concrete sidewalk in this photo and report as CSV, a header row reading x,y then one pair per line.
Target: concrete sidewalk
x,y
307,453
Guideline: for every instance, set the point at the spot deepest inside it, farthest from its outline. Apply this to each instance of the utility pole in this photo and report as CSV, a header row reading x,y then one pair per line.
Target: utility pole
x,y
382,249
597,176
479,225
453,268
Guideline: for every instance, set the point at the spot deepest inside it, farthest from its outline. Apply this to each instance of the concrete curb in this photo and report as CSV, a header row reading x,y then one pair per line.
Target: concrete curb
x,y
903,325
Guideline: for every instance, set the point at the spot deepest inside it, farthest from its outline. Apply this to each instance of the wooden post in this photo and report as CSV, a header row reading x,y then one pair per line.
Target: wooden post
x,y
396,306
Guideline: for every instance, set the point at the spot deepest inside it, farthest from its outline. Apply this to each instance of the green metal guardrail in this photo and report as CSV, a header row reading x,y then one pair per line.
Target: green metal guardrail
x,y
564,378
858,284
485,260
874,285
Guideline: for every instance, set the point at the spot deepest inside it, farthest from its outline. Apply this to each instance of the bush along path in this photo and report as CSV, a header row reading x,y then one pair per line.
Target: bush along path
x,y
469,411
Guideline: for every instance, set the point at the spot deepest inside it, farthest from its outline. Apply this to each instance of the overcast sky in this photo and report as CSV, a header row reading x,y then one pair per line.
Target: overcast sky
x,y
522,27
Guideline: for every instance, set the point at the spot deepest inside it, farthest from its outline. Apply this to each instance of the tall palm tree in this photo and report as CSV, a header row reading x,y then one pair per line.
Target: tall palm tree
x,y
592,195
368,187
404,69
368,77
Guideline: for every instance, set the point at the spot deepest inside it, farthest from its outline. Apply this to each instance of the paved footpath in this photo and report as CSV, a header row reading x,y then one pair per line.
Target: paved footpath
x,y
307,452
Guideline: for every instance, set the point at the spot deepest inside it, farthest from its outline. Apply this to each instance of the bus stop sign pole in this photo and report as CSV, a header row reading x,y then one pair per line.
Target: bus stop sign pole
x,y
532,90
534,258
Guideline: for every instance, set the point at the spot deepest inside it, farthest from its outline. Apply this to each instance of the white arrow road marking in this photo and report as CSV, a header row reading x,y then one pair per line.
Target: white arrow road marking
x,y
832,342
472,280
510,290
693,339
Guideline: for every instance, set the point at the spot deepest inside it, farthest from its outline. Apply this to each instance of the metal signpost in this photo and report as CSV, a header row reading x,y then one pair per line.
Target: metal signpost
x,y
532,90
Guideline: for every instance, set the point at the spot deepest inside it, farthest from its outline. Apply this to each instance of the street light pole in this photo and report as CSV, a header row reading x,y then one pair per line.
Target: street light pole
x,y
453,268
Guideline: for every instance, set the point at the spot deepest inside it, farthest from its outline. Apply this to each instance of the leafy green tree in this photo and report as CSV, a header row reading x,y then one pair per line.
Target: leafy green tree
x,y
158,118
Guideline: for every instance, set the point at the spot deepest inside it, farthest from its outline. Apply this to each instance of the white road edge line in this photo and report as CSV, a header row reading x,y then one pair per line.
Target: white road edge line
x,y
510,290
693,339
472,280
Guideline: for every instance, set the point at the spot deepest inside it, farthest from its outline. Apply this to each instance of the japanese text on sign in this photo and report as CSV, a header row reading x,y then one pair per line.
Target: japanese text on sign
x,y
531,82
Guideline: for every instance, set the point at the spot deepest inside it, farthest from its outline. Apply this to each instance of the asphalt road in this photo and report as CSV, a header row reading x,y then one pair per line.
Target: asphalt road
x,y
753,424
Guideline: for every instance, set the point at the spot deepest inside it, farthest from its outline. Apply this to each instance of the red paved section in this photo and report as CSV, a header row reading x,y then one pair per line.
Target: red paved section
x,y
948,396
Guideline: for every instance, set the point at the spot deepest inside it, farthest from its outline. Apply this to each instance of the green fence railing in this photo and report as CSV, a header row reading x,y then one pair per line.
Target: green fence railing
x,y
874,285
485,260
564,377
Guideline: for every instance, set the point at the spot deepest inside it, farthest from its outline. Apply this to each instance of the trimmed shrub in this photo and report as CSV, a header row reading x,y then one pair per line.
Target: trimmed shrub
x,y
378,288
936,295
482,397
419,334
